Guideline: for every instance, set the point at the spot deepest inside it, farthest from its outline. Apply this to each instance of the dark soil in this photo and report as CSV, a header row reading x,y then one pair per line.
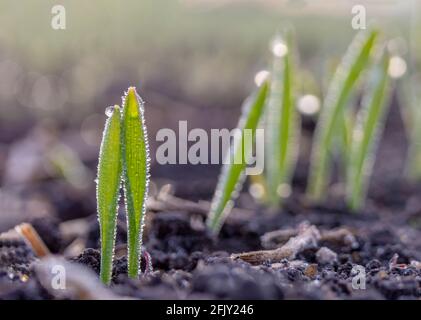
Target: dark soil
x,y
189,263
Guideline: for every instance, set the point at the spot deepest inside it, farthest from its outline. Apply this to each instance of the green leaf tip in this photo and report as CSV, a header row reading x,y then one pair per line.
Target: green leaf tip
x,y
133,102
135,174
108,186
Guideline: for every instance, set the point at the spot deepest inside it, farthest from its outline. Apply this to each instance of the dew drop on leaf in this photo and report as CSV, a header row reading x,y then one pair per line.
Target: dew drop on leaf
x,y
109,111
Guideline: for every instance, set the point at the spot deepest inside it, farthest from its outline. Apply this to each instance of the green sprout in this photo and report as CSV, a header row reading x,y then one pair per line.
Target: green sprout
x,y
331,120
281,123
232,174
108,189
410,100
124,156
368,126
135,173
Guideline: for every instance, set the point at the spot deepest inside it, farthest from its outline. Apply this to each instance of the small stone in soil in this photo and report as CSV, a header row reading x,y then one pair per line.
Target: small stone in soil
x,y
326,256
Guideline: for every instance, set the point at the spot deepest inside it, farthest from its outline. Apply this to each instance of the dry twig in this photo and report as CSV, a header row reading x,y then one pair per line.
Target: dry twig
x,y
307,237
277,238
32,237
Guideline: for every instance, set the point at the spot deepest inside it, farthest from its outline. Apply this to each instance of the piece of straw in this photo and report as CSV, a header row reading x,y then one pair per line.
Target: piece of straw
x,y
33,239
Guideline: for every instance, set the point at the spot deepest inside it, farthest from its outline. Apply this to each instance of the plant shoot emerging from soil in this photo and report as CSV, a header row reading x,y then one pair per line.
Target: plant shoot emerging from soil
x,y
108,189
410,100
280,122
341,86
124,155
135,174
358,133
232,175
368,127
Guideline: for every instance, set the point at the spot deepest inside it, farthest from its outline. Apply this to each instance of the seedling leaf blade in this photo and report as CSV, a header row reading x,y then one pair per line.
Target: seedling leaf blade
x,y
368,127
341,86
409,99
135,174
108,187
232,176
281,123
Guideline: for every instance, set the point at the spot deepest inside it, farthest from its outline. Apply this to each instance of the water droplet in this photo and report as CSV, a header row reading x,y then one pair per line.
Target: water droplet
x,y
279,48
397,67
308,104
256,190
260,77
109,111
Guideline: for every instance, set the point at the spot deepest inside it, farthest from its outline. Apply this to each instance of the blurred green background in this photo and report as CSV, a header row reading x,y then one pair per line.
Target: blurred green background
x,y
203,53
190,60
